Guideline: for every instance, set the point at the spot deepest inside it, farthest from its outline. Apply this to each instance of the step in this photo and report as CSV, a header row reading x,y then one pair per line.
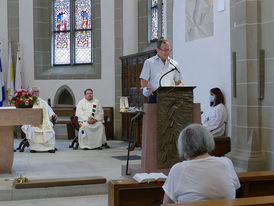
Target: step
x,y
47,189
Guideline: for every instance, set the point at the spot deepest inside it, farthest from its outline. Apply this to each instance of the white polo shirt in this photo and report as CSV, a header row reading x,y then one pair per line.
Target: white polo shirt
x,y
154,69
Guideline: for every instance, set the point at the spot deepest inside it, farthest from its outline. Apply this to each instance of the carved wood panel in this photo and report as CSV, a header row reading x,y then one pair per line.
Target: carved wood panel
x,y
175,111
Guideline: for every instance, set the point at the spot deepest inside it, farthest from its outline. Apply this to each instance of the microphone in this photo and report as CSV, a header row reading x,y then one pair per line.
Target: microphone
x,y
175,68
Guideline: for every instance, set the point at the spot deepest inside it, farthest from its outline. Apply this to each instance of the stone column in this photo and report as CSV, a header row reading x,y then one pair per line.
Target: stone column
x,y
247,108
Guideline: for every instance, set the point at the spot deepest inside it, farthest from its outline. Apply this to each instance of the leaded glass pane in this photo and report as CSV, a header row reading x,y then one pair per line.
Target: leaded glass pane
x,y
82,47
62,15
83,14
62,48
154,3
154,23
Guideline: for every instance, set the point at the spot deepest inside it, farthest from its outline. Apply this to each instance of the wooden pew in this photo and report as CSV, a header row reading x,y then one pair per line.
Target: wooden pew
x,y
109,122
256,184
129,192
252,201
64,114
222,146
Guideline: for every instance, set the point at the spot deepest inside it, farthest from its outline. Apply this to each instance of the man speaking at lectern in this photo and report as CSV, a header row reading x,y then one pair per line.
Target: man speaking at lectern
x,y
159,70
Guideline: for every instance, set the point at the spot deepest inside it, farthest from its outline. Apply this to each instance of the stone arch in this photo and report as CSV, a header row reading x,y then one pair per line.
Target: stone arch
x,y
64,96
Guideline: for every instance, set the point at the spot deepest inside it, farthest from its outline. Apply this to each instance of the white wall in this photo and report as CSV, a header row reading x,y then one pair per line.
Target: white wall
x,y
4,37
130,27
206,63
103,88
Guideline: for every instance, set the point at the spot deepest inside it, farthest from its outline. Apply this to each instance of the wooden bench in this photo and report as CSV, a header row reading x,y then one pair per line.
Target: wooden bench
x,y
129,192
252,201
109,122
222,146
256,184
64,114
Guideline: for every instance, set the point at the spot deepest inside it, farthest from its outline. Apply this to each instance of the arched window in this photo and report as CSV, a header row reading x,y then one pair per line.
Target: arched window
x,y
71,32
157,19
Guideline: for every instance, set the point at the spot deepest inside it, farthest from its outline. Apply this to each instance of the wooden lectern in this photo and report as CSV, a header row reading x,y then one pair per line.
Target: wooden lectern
x,y
162,124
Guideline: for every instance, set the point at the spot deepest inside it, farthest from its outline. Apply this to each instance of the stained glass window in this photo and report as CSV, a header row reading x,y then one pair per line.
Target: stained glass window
x,y
62,15
156,19
72,32
62,48
154,23
82,47
82,14
83,34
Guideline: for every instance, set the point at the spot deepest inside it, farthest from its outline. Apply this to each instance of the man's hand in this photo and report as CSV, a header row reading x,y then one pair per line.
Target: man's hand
x,y
144,84
92,120
55,117
179,83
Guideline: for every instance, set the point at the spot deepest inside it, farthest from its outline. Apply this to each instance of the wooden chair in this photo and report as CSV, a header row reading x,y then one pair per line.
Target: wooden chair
x,y
25,143
76,126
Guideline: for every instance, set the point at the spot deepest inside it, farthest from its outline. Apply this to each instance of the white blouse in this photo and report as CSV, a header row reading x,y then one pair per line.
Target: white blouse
x,y
214,119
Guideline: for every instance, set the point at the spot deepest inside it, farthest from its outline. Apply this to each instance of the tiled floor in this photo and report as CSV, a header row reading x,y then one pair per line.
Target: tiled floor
x,y
64,163
92,200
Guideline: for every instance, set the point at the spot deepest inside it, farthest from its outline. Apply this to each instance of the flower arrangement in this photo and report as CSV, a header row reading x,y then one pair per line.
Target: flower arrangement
x,y
23,99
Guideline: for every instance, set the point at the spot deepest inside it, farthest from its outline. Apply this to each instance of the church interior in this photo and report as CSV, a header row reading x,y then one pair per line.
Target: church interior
x,y
64,47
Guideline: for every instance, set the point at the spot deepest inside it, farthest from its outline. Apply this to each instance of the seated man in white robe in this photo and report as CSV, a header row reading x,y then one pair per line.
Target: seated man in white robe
x,y
91,117
42,137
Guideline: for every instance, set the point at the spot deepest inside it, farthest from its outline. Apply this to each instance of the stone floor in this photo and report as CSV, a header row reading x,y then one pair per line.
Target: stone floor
x,y
65,163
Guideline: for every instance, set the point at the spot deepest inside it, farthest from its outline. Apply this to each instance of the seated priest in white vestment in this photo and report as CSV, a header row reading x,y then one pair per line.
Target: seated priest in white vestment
x,y
42,137
91,117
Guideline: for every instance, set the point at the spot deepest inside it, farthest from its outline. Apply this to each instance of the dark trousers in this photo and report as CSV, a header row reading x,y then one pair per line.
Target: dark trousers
x,y
152,99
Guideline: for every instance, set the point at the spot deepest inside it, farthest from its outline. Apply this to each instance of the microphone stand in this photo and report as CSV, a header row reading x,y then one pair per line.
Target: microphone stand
x,y
175,68
165,75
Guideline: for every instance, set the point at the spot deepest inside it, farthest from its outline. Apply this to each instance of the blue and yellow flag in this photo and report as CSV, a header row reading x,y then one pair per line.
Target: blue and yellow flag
x,y
2,86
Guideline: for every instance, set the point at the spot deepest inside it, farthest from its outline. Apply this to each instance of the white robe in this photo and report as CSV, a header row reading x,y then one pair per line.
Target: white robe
x,y
214,119
42,137
90,135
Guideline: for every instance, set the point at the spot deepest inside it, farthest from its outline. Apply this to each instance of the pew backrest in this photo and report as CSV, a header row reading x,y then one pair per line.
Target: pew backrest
x,y
129,192
250,201
255,184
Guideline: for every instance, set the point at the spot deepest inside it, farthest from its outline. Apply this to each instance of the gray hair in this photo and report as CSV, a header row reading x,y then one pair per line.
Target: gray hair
x,y
34,87
195,140
161,41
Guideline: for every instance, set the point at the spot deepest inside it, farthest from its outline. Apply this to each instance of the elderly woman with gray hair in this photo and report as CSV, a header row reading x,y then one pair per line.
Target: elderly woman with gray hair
x,y
200,176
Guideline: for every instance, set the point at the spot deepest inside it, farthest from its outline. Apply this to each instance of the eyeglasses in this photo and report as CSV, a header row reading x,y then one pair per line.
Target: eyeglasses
x,y
166,51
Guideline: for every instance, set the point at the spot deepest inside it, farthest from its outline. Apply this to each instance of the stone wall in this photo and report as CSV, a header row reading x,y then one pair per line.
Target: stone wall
x,y
252,30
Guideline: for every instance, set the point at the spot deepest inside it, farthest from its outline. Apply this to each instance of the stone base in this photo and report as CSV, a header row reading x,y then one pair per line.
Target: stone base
x,y
247,161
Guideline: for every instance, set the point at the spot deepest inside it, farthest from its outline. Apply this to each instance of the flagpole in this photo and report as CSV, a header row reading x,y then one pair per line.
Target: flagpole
x,y
10,80
18,76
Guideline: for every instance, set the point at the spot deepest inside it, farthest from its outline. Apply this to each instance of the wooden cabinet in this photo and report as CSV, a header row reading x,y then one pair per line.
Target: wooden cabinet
x,y
131,85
